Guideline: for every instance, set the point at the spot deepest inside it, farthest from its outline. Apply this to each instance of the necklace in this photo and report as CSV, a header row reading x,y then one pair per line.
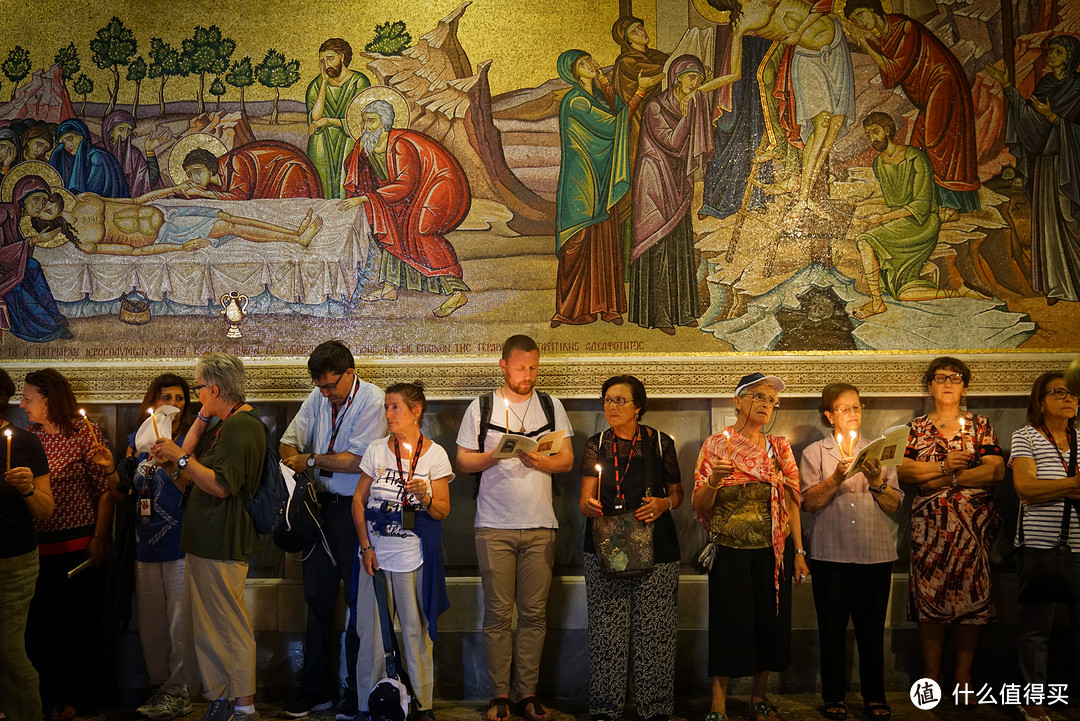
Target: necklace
x,y
521,418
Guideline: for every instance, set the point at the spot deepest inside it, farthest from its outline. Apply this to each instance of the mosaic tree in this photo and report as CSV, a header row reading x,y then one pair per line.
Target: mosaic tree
x,y
16,67
136,73
207,51
113,45
241,76
69,61
83,86
276,72
165,63
390,39
217,89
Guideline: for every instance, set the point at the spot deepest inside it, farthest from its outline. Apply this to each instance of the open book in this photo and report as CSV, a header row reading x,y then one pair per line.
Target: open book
x,y
512,444
888,449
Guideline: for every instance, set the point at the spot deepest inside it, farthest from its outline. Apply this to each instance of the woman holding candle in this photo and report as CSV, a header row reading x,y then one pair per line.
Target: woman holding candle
x,y
25,496
218,469
851,546
1044,459
159,562
953,458
631,468
746,490
65,621
398,507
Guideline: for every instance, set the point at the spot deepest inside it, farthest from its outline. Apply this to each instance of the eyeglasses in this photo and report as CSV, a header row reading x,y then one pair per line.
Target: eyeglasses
x,y
330,386
198,387
951,378
858,408
618,401
1060,394
762,398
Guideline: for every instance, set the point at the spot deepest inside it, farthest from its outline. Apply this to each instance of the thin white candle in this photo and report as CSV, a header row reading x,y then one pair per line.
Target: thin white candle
x,y
93,435
7,432
599,477
153,419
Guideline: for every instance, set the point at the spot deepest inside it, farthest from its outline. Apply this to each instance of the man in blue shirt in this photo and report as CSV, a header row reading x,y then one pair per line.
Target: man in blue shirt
x,y
336,422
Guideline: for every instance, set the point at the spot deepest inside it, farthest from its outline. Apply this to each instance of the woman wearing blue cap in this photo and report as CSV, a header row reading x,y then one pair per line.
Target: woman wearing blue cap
x,y
746,491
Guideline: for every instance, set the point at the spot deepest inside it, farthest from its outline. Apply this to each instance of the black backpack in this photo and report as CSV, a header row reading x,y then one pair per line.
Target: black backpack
x,y
267,505
486,402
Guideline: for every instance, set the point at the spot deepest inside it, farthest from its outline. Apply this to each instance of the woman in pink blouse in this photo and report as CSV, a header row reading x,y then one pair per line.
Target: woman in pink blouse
x,y
64,626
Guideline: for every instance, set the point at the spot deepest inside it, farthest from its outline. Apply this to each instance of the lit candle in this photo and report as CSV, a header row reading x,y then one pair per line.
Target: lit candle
x,y
727,435
599,477
506,405
93,436
8,434
153,418
840,446
851,448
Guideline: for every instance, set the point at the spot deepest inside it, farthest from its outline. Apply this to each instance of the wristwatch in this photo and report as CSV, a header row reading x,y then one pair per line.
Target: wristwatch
x,y
311,461
182,462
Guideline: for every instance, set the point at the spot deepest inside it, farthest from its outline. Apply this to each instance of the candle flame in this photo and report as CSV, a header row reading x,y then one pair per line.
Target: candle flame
x,y
726,433
82,413
599,469
407,447
961,423
8,433
839,439
150,411
506,402
853,434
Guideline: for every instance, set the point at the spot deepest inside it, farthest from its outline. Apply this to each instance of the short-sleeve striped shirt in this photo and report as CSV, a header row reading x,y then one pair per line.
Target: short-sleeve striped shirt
x,y
1042,521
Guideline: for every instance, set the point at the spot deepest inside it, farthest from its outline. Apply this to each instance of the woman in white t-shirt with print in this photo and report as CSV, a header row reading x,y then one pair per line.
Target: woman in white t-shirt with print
x,y
1044,463
400,501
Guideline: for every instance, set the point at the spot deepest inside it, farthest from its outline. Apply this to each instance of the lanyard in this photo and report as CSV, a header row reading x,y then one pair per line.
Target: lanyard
x,y
334,425
1050,437
620,498
217,431
412,465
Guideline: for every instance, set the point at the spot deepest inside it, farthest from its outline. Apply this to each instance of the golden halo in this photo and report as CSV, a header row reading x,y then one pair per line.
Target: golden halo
x,y
184,146
707,11
27,229
29,167
354,122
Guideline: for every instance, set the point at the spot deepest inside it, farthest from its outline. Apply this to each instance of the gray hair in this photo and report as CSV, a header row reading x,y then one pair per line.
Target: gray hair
x,y
384,110
224,371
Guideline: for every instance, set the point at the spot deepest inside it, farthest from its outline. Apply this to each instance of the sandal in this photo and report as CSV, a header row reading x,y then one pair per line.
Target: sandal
x,y
502,706
878,711
764,711
835,710
531,709
715,716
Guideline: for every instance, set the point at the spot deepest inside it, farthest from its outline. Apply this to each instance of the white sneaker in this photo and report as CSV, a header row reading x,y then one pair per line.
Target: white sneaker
x,y
239,715
169,707
154,700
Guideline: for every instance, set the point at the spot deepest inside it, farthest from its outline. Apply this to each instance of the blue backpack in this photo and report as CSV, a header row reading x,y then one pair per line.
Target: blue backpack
x,y
267,505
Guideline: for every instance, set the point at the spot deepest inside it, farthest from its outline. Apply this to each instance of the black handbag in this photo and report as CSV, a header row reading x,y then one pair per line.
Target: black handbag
x,y
1046,573
623,544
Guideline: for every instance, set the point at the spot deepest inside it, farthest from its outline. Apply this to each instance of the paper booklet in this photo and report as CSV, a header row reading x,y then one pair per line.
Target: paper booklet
x,y
512,444
888,449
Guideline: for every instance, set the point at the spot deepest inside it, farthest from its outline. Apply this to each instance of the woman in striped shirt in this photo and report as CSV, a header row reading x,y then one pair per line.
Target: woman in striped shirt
x,y
1044,462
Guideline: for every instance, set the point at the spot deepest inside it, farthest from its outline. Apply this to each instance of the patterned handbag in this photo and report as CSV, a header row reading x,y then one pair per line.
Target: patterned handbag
x,y
623,544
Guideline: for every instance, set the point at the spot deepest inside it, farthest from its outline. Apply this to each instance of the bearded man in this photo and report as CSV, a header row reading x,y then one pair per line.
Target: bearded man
x,y
328,97
414,192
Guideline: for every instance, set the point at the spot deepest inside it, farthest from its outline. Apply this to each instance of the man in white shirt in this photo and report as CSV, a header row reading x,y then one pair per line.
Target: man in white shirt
x,y
337,421
515,523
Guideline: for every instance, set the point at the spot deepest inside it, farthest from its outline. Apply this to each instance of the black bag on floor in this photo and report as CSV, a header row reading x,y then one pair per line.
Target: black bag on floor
x,y
390,698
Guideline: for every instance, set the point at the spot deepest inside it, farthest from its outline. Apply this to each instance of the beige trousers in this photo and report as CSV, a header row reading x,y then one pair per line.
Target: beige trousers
x,y
515,569
218,637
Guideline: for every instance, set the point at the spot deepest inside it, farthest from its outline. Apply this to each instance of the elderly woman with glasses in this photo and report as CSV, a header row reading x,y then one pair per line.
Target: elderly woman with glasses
x,y
851,546
631,468
217,469
953,459
1044,462
746,490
